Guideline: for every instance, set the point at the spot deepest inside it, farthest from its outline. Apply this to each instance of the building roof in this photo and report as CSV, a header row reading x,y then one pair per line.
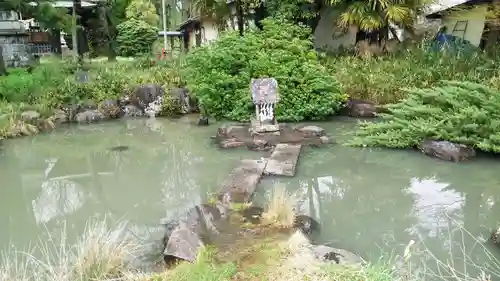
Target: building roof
x,y
170,33
69,3
442,5
187,22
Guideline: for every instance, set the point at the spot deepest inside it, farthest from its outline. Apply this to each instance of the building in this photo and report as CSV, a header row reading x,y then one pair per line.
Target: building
x,y
199,30
463,18
13,38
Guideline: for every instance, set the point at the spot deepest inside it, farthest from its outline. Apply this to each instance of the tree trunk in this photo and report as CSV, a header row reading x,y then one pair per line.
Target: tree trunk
x,y
3,69
260,14
105,22
494,33
492,38
74,30
239,15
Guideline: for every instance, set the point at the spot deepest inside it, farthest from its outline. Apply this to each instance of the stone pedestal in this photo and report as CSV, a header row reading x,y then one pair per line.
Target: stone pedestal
x,y
256,127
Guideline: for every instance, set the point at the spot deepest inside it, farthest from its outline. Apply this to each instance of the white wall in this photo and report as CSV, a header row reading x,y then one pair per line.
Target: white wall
x,y
475,18
328,36
11,26
210,31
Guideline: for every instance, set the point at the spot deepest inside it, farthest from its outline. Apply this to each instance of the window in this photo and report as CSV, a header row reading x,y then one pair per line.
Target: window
x,y
8,15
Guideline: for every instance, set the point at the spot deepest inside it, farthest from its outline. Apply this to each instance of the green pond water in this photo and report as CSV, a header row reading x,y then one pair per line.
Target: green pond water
x,y
369,201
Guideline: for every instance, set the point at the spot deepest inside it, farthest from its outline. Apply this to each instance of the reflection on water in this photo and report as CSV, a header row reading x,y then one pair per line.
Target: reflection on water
x,y
368,201
57,198
72,175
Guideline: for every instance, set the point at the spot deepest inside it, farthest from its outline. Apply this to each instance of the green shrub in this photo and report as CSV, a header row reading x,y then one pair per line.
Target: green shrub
x,y
170,107
142,10
460,112
52,84
135,38
219,74
383,79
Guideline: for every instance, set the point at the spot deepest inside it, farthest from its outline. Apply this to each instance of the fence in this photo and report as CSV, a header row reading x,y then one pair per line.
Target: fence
x,y
16,55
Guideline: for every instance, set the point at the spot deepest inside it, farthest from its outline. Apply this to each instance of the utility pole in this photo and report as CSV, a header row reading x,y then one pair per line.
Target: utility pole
x,y
74,30
164,14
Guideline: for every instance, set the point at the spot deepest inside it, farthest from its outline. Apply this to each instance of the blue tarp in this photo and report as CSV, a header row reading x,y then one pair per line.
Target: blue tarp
x,y
453,43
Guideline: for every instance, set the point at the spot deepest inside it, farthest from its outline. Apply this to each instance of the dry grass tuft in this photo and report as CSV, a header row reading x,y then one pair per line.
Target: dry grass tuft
x,y
280,208
99,254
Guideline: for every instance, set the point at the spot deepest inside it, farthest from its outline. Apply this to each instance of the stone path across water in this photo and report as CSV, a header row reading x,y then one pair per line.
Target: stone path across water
x,y
241,183
283,160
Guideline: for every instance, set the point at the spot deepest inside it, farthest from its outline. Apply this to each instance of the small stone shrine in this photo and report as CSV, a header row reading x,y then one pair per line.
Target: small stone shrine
x,y
264,97
82,76
263,132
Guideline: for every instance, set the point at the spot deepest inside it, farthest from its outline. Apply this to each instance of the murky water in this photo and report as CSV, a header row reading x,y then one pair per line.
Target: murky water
x,y
369,201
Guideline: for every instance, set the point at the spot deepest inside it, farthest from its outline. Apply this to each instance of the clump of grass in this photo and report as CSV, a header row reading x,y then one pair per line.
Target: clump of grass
x,y
99,254
280,208
205,268
459,266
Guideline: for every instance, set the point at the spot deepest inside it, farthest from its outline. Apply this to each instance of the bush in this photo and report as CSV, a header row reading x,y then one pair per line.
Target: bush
x,y
383,79
135,38
460,112
219,74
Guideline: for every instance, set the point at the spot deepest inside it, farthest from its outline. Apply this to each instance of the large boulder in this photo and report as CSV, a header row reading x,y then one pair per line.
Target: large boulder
x,y
185,238
360,109
111,109
30,116
59,116
306,224
307,260
142,96
131,110
188,105
446,150
89,116
338,256
71,110
34,118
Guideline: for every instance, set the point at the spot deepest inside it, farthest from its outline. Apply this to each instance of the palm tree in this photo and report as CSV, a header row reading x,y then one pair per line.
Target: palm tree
x,y
377,16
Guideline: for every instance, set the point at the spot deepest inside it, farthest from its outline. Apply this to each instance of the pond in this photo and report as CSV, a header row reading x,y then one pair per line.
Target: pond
x,y
369,201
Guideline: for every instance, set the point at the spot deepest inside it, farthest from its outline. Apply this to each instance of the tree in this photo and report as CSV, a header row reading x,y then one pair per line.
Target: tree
x,y
493,24
111,14
3,69
142,10
376,16
217,10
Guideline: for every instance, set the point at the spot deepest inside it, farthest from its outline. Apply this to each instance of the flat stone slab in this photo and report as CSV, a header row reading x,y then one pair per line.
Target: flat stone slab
x,y
283,160
244,135
241,183
256,127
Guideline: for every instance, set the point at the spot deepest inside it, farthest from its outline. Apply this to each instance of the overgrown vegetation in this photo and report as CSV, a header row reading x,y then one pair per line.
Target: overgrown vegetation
x,y
219,74
384,79
461,112
107,253
135,37
53,86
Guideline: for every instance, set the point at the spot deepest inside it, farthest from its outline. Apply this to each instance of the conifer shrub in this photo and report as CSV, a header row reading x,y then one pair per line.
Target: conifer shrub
x,y
219,74
135,37
460,112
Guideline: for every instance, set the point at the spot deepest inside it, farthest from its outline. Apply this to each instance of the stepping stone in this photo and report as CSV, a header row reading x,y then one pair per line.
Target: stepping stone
x,y
241,183
283,160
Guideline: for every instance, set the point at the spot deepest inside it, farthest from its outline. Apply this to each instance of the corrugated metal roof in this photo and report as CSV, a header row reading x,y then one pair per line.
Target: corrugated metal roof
x,y
442,5
69,4
170,33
